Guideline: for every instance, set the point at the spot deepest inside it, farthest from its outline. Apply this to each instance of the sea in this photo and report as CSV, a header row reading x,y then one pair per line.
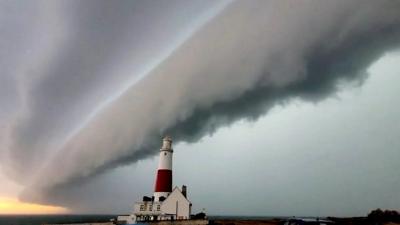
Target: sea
x,y
52,219
48,219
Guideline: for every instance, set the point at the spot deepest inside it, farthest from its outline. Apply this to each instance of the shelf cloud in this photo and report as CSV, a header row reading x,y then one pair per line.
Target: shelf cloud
x,y
99,85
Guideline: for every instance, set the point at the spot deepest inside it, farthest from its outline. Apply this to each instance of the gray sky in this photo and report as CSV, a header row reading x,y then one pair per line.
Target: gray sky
x,y
337,157
274,104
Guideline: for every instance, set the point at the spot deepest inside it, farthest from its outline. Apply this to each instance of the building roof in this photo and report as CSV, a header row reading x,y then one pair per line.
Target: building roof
x,y
178,190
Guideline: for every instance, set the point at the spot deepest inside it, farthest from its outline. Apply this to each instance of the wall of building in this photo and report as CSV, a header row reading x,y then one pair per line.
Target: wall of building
x,y
177,204
147,208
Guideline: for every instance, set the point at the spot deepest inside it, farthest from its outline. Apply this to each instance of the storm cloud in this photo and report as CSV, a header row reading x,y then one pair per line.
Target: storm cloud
x,y
100,83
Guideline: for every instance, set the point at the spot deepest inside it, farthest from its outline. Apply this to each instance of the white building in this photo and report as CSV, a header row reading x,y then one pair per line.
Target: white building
x,y
175,207
165,204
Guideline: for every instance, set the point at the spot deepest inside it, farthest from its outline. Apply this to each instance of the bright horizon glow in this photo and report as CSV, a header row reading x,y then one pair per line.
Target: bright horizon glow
x,y
12,206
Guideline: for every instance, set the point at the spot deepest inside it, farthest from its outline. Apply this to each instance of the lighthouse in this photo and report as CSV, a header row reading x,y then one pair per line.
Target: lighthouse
x,y
163,184
167,203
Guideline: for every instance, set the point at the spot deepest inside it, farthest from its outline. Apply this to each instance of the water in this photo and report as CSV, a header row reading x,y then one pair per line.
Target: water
x,y
216,217
43,219
46,219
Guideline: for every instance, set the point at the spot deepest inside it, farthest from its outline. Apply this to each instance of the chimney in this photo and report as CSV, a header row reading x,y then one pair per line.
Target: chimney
x,y
184,191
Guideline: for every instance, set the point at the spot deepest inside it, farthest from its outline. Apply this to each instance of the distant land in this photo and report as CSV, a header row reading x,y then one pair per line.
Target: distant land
x,y
375,217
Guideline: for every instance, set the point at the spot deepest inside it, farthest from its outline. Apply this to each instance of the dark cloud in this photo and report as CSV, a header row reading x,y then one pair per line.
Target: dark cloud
x,y
252,56
95,48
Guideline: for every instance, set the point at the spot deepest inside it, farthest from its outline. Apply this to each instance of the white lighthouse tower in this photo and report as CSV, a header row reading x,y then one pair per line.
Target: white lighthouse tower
x,y
166,203
163,184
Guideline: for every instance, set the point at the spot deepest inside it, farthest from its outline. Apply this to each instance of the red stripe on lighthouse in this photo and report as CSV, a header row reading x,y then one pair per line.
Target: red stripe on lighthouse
x,y
164,181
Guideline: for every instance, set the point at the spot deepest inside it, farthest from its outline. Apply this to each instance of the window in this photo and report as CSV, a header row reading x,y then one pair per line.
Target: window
x,y
141,207
151,207
158,207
